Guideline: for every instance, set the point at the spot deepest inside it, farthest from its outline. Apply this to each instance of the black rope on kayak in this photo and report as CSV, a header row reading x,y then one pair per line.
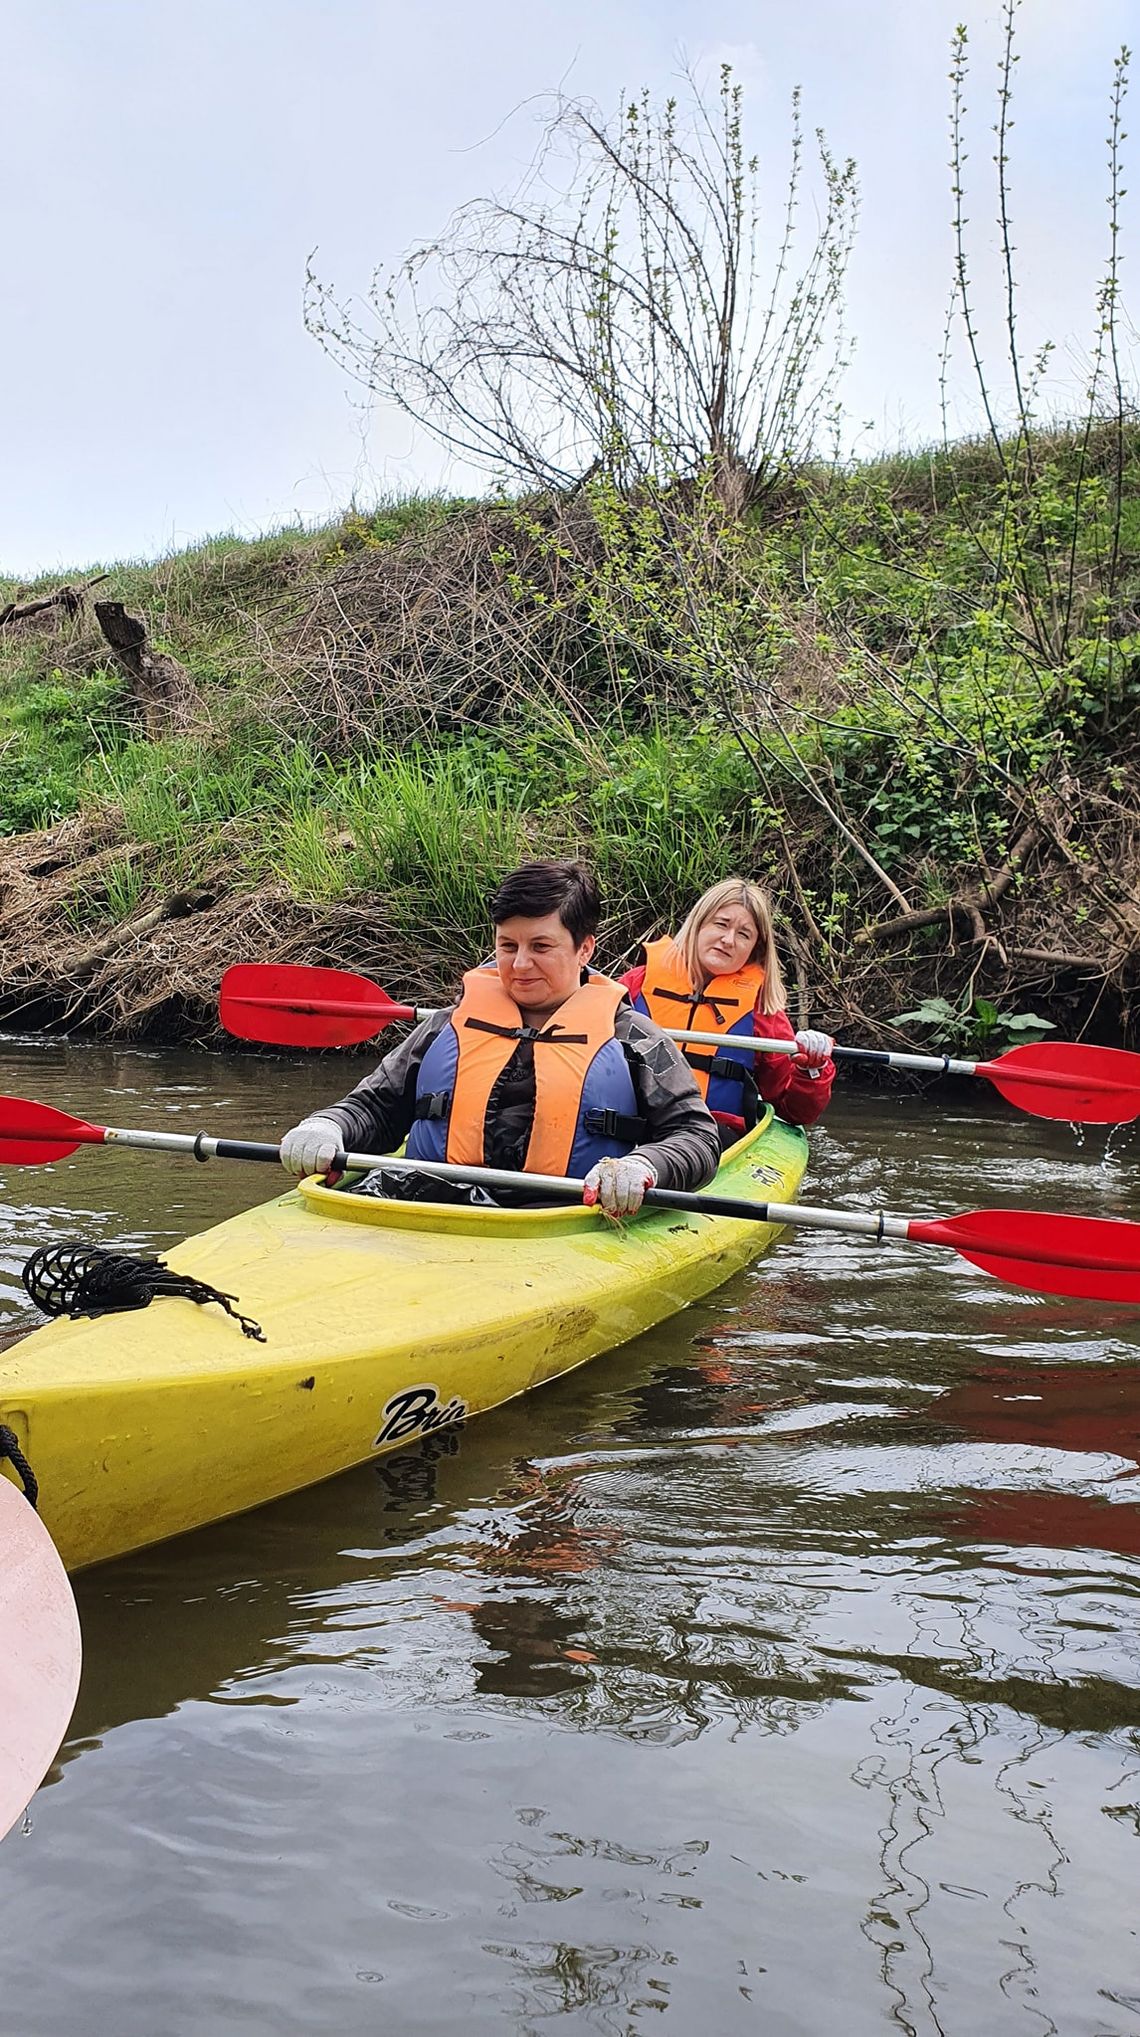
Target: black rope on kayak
x,y
91,1280
10,1448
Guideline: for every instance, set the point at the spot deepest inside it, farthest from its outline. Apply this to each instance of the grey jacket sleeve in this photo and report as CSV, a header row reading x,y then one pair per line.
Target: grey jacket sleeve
x,y
378,1114
682,1142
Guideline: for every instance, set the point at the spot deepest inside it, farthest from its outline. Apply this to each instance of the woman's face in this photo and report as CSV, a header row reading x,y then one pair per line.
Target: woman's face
x,y
539,962
726,941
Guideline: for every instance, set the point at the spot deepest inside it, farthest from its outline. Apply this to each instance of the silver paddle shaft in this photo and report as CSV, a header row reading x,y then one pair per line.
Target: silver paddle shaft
x,y
202,1146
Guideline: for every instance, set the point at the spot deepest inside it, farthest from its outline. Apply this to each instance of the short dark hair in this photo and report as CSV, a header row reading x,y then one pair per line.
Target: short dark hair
x,y
533,890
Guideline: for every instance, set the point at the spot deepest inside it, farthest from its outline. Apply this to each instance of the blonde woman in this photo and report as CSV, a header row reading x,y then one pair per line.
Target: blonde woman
x,y
721,974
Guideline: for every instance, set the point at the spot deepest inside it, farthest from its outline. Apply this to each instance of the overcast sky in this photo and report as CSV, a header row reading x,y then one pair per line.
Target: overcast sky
x,y
166,171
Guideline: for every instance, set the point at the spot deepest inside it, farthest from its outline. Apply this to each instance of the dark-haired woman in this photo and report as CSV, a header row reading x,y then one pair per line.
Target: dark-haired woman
x,y
542,1067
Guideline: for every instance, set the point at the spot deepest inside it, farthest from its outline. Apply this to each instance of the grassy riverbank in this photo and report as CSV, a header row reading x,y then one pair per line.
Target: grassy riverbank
x,y
907,695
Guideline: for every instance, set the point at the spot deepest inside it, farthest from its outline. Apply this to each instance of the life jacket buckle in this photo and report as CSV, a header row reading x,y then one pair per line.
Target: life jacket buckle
x,y
604,1124
435,1105
614,1124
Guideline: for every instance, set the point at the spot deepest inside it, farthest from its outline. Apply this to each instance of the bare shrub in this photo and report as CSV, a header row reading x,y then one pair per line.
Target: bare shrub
x,y
632,323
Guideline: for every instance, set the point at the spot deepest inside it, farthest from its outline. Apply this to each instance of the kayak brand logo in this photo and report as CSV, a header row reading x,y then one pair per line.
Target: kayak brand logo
x,y
416,1412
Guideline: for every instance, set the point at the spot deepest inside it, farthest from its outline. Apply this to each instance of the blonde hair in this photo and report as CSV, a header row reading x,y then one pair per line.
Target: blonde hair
x,y
734,891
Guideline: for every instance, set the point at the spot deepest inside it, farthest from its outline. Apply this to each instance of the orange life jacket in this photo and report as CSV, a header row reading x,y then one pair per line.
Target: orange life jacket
x,y
585,1102
725,1005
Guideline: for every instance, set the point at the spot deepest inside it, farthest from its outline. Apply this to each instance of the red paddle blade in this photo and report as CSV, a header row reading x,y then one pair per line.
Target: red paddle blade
x,y
293,1005
1095,1257
31,1134
1081,1085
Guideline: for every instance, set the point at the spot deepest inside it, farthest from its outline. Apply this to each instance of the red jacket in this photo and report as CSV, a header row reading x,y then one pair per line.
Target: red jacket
x,y
797,1097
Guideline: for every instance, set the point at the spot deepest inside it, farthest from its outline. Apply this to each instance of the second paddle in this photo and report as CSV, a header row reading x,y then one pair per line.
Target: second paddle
x,y
296,1005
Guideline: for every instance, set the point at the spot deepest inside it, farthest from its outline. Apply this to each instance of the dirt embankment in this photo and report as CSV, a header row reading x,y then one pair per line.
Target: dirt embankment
x,y
326,747
155,975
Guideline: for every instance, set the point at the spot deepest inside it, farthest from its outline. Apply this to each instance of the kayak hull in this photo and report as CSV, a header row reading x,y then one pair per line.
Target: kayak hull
x,y
383,1321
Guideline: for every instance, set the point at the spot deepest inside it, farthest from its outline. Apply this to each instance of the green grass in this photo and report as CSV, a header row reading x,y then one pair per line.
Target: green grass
x,y
865,581
431,832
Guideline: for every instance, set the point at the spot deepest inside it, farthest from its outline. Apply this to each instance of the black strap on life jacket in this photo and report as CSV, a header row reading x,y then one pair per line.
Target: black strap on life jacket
x,y
717,1005
533,1033
676,996
749,1100
718,1064
732,1071
615,1124
604,1124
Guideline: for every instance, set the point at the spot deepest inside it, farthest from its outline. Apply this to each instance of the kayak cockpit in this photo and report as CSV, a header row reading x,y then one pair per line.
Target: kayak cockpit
x,y
347,1204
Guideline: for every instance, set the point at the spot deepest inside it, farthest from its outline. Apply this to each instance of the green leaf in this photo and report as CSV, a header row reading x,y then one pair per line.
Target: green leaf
x,y
1027,1022
933,1011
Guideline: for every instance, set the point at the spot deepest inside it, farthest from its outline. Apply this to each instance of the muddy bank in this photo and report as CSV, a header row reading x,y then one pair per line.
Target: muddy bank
x,y
328,747
67,966
70,965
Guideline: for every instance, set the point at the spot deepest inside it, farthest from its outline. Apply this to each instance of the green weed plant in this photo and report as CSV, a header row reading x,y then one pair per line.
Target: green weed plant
x,y
976,1028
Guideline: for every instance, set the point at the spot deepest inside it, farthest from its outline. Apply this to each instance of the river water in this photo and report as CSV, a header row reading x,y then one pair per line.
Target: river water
x,y
778,1673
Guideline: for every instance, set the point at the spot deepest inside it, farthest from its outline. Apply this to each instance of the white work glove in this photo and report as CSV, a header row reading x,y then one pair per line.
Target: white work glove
x,y
815,1050
619,1185
312,1146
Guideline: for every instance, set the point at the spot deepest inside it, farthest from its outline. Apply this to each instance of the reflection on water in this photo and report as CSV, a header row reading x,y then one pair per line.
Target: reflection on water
x,y
777,1669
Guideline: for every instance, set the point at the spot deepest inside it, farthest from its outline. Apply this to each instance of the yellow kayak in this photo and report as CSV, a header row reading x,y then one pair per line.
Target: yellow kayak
x,y
383,1321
